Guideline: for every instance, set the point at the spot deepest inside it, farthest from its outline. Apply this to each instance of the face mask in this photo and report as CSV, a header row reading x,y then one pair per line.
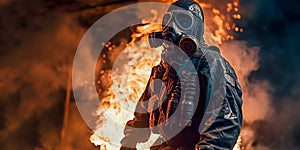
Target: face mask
x,y
179,28
183,19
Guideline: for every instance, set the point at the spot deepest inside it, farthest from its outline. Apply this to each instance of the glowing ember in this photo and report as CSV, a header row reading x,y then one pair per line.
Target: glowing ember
x,y
129,78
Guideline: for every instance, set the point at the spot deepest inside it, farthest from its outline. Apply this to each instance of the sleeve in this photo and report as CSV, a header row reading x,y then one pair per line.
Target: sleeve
x,y
137,129
222,121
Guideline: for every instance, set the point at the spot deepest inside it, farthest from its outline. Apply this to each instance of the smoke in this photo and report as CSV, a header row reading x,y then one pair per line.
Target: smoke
x,y
256,94
257,104
37,49
272,26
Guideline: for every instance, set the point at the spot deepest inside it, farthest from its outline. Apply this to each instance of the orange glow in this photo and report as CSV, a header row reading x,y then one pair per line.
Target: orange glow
x,y
216,11
221,23
236,3
102,72
220,32
236,9
233,26
237,16
204,5
236,29
229,7
227,26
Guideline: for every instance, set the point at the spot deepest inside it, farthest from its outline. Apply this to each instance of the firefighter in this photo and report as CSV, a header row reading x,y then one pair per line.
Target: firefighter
x,y
193,98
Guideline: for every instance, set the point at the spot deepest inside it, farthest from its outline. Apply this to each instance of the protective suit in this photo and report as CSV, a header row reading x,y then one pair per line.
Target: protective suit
x,y
192,99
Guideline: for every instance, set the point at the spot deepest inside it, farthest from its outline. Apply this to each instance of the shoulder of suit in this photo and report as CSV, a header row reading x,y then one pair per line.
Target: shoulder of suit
x,y
214,49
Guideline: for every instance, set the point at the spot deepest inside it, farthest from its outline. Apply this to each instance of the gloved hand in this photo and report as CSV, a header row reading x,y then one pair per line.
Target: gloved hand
x,y
128,143
133,135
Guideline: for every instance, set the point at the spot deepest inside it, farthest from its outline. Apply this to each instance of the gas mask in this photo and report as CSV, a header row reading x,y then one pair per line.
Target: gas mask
x,y
181,26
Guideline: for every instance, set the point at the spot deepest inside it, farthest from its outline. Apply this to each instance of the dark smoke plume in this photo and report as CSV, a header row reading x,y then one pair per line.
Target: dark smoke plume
x,y
273,26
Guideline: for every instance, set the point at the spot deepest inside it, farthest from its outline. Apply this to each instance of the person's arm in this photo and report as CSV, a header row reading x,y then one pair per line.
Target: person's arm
x,y
137,130
223,131
222,121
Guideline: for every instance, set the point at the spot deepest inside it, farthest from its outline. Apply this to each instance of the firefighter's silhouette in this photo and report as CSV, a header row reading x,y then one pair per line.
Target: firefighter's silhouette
x,y
209,121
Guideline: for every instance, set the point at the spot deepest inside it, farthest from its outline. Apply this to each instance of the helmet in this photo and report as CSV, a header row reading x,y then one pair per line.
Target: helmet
x,y
195,17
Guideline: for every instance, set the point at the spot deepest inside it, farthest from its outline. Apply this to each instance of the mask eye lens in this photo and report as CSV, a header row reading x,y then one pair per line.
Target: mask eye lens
x,y
184,20
166,20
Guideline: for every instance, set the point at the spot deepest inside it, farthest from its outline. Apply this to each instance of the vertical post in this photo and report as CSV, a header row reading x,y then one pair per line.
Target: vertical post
x,y
67,104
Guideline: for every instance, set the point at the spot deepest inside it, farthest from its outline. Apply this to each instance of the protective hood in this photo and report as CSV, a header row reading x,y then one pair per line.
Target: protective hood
x,y
183,18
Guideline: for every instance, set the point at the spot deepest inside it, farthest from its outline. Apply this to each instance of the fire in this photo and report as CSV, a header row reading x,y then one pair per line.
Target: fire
x,y
128,80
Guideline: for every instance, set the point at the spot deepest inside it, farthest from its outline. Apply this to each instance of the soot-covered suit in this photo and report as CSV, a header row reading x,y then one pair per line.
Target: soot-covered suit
x,y
198,94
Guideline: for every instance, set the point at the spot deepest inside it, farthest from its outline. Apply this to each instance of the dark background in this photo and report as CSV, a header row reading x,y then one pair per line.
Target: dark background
x,y
38,41
274,27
